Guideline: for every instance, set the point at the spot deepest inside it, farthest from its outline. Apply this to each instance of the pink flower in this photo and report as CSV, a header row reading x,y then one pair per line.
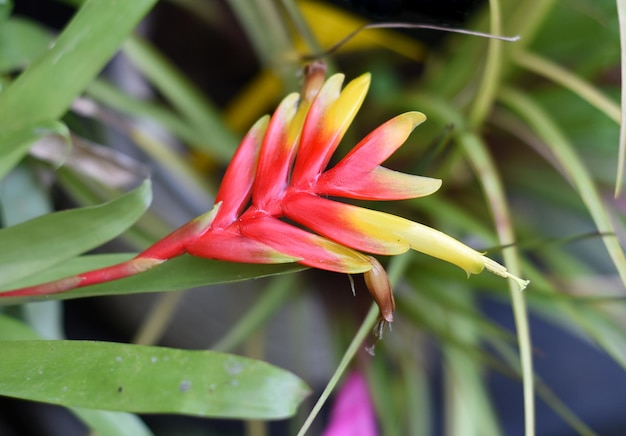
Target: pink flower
x,y
353,412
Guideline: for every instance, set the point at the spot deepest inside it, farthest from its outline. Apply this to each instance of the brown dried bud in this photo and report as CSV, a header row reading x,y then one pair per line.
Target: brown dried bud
x,y
314,76
378,284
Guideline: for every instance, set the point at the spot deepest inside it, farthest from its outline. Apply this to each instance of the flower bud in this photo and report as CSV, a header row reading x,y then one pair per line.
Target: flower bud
x,y
378,284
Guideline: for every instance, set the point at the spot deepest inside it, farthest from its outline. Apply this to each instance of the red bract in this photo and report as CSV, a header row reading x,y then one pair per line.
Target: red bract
x,y
278,175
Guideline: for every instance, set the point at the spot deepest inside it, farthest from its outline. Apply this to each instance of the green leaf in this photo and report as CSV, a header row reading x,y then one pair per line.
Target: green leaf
x,y
142,379
103,422
21,41
45,241
6,6
15,143
46,89
185,97
13,330
23,196
559,145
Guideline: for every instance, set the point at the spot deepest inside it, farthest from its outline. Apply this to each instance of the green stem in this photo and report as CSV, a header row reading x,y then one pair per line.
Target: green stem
x,y
621,13
184,96
493,67
158,318
267,32
528,18
484,167
301,25
396,268
271,298
355,345
543,67
545,127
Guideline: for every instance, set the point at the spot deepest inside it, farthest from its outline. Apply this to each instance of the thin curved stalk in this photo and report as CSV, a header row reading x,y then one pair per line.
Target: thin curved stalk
x,y
396,268
161,314
621,13
485,169
270,299
486,172
544,67
184,96
493,66
355,345
527,19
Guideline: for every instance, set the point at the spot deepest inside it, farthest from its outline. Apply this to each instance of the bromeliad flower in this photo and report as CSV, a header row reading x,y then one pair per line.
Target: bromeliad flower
x,y
278,177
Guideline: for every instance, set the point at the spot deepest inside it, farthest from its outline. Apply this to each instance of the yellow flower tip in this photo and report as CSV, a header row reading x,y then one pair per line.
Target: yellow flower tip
x,y
363,80
378,284
344,108
332,87
497,269
414,117
424,186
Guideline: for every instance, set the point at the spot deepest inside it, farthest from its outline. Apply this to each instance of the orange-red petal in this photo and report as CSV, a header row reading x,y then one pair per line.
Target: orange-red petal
x,y
379,184
348,225
276,156
236,186
381,143
358,175
230,245
312,250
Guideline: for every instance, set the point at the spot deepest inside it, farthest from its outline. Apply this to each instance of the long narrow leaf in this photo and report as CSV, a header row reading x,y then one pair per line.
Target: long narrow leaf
x,y
14,143
46,89
103,422
47,240
134,378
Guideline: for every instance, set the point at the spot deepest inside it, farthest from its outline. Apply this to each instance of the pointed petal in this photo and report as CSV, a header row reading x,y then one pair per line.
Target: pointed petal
x,y
437,244
376,147
378,184
277,152
236,185
328,119
358,175
174,244
378,232
355,227
229,245
312,250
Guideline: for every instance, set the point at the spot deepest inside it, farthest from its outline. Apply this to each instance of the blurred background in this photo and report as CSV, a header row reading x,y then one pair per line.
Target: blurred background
x,y
450,364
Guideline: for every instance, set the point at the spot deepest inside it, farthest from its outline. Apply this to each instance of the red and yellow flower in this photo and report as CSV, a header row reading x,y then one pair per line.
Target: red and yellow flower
x,y
278,176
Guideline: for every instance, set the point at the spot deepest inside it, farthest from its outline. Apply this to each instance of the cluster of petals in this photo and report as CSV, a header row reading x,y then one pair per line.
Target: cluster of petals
x,y
273,203
275,206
